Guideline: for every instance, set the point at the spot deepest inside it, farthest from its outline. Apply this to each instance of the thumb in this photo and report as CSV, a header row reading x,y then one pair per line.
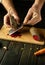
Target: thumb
x,y
14,14
28,16
16,17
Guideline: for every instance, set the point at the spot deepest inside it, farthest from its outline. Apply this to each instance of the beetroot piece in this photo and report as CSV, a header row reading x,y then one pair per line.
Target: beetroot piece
x,y
36,37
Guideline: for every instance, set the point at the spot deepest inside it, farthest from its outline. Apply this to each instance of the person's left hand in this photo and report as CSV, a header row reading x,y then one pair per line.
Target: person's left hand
x,y
33,16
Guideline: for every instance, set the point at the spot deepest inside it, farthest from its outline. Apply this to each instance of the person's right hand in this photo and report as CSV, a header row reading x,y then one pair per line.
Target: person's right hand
x,y
7,18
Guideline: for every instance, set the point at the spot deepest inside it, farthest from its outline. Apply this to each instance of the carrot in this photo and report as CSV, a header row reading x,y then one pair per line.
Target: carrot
x,y
42,51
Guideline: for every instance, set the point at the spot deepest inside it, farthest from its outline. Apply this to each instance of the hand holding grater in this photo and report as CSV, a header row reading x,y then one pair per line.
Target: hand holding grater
x,y
16,27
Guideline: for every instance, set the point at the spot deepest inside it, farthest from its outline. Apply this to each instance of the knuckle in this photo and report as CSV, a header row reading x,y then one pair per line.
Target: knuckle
x,y
4,16
40,18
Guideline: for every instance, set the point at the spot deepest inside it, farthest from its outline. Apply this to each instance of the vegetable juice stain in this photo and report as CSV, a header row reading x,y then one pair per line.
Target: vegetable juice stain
x,y
17,34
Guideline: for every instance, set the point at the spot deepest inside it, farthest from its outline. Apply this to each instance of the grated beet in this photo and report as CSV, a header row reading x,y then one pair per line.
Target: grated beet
x,y
15,34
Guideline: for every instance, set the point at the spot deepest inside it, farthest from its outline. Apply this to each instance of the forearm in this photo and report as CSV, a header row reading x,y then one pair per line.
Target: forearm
x,y
8,4
39,3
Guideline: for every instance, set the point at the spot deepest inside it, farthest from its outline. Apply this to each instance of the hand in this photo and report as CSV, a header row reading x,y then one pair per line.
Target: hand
x,y
33,16
7,17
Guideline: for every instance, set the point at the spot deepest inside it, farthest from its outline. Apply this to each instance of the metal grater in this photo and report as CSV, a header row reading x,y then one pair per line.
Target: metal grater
x,y
16,27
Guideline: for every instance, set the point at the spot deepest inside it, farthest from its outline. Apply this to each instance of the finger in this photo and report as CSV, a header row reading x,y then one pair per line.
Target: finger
x,y
42,51
13,13
6,20
35,19
28,16
16,17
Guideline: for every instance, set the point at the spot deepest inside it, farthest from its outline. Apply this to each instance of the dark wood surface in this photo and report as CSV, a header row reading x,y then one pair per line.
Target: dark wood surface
x,y
20,54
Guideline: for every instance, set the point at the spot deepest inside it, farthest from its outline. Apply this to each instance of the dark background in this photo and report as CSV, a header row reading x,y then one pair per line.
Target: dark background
x,y
22,9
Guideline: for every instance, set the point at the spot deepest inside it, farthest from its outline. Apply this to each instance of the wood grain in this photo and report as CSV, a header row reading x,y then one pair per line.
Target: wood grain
x,y
26,37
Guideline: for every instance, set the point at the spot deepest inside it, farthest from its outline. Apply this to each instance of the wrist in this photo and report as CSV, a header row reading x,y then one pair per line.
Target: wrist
x,y
0,1
12,11
39,4
8,4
